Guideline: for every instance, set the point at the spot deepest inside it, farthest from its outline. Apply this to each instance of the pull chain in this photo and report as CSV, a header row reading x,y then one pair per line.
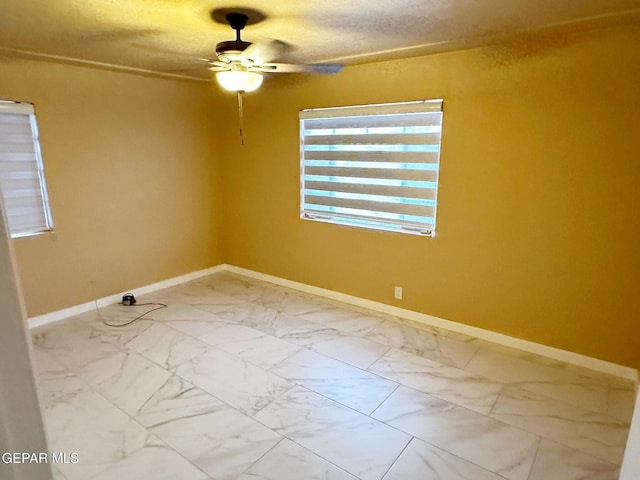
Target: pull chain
x,y
240,114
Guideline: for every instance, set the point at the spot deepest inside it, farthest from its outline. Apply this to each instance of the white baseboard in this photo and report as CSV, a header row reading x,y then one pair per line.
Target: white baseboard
x,y
47,318
488,335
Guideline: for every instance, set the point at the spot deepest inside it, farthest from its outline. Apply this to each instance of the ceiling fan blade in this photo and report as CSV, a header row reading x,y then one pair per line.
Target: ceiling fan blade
x,y
263,52
301,68
216,66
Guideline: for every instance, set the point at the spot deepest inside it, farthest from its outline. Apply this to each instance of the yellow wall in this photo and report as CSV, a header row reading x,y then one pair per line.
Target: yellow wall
x,y
133,180
538,224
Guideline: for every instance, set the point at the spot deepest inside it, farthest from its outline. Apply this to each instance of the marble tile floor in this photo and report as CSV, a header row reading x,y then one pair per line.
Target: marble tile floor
x,y
240,379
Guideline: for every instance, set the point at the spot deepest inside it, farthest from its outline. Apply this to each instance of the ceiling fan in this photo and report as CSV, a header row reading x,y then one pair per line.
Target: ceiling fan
x,y
240,65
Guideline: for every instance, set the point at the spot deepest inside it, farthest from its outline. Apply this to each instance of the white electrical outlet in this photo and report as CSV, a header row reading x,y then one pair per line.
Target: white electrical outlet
x,y
397,293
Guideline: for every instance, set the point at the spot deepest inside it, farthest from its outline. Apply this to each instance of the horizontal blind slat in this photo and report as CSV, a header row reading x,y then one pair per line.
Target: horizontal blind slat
x,y
405,157
374,139
16,108
369,214
429,202
342,164
362,149
386,121
400,208
397,173
25,214
10,122
23,202
406,192
387,182
16,157
17,169
25,223
18,180
367,223
419,106
12,138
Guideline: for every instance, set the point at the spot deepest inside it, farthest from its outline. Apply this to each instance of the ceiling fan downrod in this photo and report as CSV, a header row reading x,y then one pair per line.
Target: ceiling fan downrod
x,y
237,21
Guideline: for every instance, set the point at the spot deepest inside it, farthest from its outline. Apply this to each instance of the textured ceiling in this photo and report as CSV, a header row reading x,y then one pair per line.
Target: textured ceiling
x,y
169,37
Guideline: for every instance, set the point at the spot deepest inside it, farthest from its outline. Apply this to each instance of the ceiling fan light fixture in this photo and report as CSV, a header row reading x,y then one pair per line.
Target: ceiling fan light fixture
x,y
239,80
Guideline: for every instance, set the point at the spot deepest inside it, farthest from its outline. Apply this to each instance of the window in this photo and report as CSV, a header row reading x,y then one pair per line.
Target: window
x,y
373,166
21,172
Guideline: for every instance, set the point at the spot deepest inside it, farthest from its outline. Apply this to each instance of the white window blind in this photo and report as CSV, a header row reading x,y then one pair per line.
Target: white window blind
x,y
372,166
22,181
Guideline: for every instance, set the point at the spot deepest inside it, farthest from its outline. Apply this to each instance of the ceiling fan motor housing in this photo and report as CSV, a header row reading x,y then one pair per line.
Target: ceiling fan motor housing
x,y
231,49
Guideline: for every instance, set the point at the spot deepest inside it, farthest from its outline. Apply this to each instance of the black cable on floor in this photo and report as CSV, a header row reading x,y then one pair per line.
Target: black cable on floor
x,y
159,306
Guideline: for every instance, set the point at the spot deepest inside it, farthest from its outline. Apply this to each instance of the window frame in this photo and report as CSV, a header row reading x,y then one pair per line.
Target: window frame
x,y
383,216
44,221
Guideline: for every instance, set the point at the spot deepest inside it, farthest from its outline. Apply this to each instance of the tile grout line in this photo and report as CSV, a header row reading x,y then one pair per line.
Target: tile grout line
x,y
382,402
398,457
265,453
535,457
323,458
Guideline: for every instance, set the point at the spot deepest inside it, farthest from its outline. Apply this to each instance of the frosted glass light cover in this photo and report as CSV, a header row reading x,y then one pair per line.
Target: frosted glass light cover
x,y
239,81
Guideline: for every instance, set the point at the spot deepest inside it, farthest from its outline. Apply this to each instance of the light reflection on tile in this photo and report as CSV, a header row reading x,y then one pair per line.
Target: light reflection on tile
x,y
153,462
574,385
299,303
620,402
357,351
594,433
229,333
339,318
350,386
236,382
57,474
423,343
264,351
442,381
290,461
352,441
281,325
426,462
557,461
479,439
244,313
